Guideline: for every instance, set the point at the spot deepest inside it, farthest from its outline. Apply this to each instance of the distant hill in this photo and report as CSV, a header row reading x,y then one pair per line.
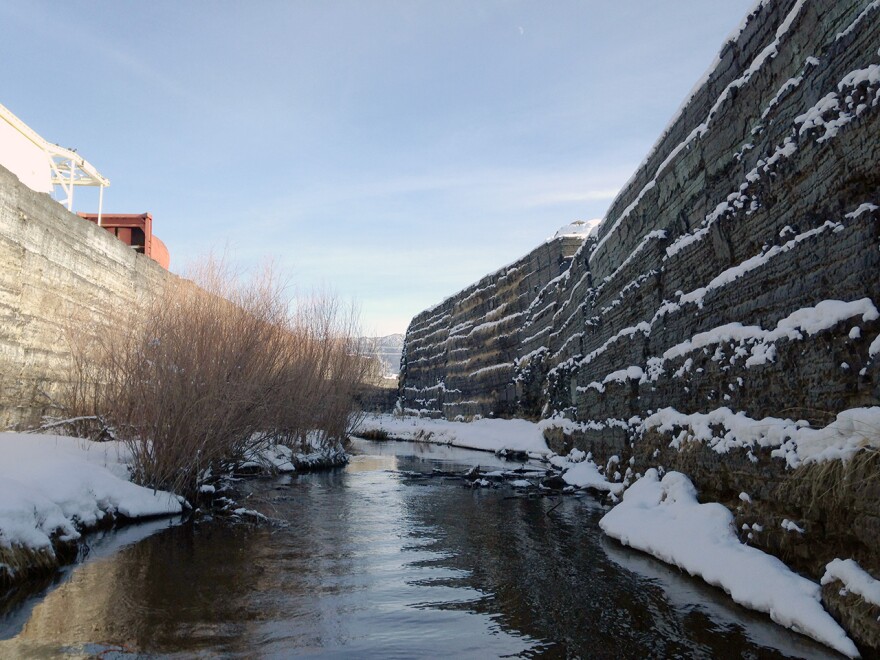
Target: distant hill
x,y
389,349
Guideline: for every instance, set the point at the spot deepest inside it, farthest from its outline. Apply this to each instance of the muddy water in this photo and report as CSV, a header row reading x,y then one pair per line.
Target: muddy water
x,y
378,561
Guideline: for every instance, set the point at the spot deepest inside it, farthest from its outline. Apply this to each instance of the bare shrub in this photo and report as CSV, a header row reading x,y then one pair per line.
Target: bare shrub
x,y
204,373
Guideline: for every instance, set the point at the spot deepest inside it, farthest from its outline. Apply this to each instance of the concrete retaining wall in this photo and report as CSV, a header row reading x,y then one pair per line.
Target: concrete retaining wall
x,y
56,269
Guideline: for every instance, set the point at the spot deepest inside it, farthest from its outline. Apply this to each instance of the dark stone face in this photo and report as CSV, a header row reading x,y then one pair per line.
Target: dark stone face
x,y
758,201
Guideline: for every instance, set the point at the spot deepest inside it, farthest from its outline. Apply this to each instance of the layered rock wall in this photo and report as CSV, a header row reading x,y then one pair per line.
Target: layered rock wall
x,y
729,298
460,357
758,201
58,274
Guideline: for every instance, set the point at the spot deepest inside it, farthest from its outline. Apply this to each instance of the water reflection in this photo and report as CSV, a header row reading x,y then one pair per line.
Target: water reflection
x,y
374,562
367,463
702,607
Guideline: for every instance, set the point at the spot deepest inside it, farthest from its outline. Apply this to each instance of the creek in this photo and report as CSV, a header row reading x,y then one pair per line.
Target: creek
x,y
380,559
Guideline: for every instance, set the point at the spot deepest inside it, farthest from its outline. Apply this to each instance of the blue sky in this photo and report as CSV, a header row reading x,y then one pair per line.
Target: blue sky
x,y
395,151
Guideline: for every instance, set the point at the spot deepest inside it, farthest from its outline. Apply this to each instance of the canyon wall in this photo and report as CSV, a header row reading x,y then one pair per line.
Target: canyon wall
x,y
58,273
460,356
727,304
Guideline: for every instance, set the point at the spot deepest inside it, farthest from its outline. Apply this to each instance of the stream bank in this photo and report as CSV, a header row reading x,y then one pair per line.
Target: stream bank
x,y
380,559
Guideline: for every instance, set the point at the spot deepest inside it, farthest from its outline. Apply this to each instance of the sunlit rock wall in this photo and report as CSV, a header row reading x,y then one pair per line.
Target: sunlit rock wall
x,y
737,273
58,274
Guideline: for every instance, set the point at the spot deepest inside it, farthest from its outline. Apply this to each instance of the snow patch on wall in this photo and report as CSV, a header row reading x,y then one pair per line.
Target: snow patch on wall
x,y
795,441
854,579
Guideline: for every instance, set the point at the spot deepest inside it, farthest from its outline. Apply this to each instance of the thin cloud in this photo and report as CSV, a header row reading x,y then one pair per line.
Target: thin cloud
x,y
571,197
484,189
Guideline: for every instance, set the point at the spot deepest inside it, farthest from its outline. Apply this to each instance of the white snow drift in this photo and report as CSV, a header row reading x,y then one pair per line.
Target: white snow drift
x,y
56,486
664,519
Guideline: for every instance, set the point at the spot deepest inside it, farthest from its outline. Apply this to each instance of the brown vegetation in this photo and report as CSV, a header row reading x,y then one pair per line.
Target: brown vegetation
x,y
195,379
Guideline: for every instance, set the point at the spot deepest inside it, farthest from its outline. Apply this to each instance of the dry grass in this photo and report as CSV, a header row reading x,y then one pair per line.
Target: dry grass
x,y
830,487
19,562
839,487
198,376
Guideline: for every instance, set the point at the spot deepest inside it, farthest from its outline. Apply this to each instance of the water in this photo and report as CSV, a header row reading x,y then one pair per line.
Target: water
x,y
375,561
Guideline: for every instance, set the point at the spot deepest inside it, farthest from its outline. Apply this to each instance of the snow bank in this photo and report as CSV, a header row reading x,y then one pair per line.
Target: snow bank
x,y
810,320
484,434
854,578
55,485
664,519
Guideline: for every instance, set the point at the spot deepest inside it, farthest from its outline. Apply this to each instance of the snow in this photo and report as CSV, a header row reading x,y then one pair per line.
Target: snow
x,y
829,114
583,228
819,116
853,430
586,475
789,85
490,325
735,272
874,348
722,429
810,320
643,327
869,75
483,434
578,471
570,426
619,376
492,367
867,10
55,485
813,117
866,207
659,234
768,53
664,519
542,331
280,458
827,314
855,579
241,511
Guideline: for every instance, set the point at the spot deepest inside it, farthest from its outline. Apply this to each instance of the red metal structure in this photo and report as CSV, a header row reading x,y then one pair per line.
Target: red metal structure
x,y
135,230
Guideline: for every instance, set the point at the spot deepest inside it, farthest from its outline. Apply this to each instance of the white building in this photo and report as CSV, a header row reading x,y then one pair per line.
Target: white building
x,y
41,165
